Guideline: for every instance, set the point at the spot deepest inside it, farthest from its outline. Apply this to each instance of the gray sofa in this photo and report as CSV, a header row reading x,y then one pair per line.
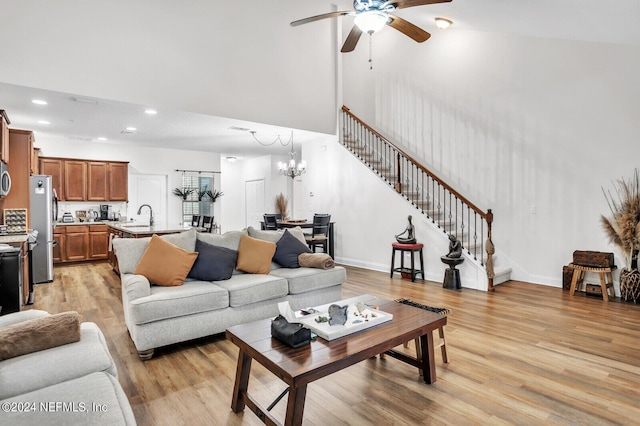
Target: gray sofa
x,y
158,316
72,384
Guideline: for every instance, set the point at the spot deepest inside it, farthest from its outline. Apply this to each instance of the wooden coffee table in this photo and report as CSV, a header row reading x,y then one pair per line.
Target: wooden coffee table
x,y
299,367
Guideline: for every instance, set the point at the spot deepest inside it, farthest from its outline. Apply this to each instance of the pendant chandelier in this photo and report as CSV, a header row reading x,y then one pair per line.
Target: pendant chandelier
x,y
291,168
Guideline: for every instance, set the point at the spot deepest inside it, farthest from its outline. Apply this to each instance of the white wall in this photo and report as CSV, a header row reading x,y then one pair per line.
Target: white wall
x,y
141,160
532,128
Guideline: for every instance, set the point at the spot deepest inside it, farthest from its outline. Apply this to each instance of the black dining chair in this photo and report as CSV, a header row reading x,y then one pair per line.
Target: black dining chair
x,y
270,222
319,233
207,223
196,221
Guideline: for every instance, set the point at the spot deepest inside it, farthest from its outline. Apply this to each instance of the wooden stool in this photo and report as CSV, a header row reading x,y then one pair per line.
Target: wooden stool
x,y
605,274
412,248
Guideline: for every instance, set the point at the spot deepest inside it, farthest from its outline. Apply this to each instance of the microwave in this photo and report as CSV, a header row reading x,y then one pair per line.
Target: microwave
x,y
5,179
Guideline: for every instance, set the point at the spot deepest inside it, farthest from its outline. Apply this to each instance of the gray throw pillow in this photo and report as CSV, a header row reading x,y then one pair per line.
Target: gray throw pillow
x,y
214,263
288,248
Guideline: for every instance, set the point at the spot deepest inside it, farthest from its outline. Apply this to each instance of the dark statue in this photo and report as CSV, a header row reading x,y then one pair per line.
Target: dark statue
x,y
411,235
455,247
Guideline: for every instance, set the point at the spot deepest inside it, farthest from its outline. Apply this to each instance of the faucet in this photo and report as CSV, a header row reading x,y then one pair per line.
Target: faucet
x,y
150,211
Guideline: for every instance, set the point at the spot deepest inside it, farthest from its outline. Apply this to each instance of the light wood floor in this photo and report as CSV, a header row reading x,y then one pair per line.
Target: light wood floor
x,y
525,354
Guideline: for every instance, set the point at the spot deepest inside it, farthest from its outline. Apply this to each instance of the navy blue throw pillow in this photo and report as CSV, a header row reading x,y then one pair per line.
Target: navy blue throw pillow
x,y
288,248
214,263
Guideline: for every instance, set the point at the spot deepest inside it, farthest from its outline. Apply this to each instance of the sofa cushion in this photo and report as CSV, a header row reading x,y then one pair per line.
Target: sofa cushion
x,y
170,302
39,334
245,289
214,263
254,256
164,263
45,368
288,248
79,395
230,240
130,250
303,280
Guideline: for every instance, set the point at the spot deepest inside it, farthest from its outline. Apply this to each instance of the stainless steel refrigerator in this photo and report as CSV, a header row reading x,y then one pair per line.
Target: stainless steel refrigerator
x,y
43,216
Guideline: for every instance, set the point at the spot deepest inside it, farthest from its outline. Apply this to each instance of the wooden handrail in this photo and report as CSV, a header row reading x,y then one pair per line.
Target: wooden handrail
x,y
401,157
485,215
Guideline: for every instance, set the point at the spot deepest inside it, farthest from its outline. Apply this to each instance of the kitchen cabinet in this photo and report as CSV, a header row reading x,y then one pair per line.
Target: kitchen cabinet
x,y
35,164
55,168
4,136
76,243
75,180
97,181
87,180
118,181
98,242
20,148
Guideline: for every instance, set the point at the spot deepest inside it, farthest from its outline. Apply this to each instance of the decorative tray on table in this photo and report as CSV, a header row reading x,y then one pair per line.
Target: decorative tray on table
x,y
357,320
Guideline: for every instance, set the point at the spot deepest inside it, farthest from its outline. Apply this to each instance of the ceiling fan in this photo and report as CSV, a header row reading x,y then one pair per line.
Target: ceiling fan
x,y
373,15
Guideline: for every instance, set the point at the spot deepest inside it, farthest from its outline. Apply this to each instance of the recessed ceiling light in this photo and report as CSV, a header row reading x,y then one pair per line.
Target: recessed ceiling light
x,y
231,159
102,138
43,122
443,23
131,129
39,102
150,111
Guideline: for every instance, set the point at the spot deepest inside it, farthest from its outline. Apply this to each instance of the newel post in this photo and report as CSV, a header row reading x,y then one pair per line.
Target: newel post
x,y
490,251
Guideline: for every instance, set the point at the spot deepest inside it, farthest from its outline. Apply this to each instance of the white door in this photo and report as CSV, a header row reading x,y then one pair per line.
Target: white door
x,y
151,190
254,202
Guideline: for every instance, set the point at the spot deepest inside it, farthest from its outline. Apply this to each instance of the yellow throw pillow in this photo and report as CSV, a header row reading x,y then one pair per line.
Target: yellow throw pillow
x,y
254,256
164,263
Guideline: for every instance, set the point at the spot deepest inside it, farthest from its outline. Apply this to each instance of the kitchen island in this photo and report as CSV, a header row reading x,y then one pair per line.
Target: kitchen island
x,y
134,230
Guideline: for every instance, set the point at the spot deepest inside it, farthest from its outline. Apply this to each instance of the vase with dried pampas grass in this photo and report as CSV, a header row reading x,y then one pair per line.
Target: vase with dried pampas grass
x,y
623,230
281,205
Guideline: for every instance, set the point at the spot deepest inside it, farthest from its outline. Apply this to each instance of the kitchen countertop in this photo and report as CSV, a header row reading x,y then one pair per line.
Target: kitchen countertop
x,y
136,229
13,238
105,222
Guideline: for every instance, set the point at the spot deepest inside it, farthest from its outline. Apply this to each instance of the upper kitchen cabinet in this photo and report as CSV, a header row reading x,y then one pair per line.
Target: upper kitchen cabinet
x,y
4,136
118,181
55,168
97,181
87,180
20,146
75,180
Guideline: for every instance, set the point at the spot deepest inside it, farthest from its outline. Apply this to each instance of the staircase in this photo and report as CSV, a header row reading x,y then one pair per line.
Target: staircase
x,y
447,210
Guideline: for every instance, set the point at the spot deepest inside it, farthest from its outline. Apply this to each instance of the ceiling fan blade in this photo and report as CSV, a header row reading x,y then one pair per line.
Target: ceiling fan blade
x,y
319,17
352,40
403,4
408,29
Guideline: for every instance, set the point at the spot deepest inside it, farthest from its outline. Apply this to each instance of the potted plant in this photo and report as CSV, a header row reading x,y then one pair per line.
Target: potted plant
x,y
183,192
281,205
202,192
214,194
623,230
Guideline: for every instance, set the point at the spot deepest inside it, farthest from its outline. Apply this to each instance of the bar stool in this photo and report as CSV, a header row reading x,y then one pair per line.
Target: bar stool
x,y
411,248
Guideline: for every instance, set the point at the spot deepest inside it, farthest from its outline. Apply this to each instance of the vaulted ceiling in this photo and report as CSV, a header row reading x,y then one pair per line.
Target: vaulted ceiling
x,y
214,68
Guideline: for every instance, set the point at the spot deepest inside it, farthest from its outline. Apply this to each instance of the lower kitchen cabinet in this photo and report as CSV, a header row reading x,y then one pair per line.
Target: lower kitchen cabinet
x,y
80,242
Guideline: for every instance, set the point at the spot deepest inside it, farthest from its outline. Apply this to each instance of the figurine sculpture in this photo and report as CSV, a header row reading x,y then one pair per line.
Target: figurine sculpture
x,y
455,247
337,314
410,231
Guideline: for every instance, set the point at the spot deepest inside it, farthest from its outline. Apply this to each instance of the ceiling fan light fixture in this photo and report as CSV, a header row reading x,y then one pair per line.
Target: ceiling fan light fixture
x,y
443,23
371,21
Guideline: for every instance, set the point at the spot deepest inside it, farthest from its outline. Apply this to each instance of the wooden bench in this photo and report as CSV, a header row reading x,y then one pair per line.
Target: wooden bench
x,y
606,279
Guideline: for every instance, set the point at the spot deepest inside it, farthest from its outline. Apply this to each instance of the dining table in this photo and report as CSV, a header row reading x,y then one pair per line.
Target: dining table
x,y
305,224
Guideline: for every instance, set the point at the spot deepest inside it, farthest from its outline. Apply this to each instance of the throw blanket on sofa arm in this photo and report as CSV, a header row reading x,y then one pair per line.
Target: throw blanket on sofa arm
x,y
316,260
